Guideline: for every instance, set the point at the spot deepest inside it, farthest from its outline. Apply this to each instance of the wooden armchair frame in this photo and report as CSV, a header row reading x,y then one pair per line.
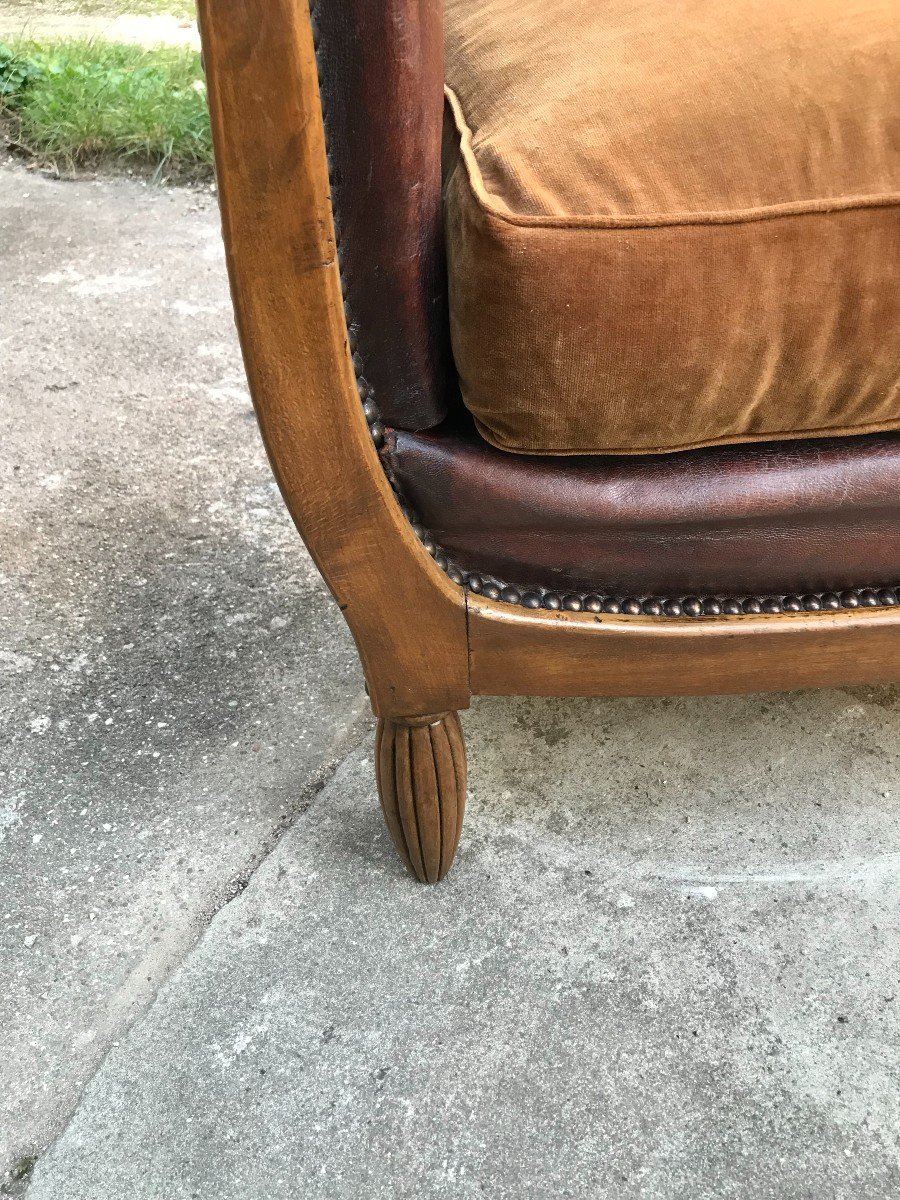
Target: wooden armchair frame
x,y
426,642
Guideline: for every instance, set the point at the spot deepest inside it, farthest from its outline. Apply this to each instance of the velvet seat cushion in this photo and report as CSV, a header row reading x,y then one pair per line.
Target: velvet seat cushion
x,y
674,223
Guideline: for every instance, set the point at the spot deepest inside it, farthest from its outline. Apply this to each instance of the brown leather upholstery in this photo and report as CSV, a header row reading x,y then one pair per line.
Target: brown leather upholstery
x,y
788,517
381,77
674,224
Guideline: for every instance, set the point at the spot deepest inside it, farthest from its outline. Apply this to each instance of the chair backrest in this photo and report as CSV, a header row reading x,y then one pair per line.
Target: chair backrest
x,y
381,76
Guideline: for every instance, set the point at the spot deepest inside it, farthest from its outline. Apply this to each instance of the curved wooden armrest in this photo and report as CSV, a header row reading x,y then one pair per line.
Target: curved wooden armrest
x,y
282,258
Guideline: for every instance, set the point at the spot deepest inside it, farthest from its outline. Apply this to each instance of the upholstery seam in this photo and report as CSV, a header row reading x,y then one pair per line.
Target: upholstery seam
x,y
891,426
748,216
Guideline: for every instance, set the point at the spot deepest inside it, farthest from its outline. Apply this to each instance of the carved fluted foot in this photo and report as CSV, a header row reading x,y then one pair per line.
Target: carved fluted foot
x,y
420,763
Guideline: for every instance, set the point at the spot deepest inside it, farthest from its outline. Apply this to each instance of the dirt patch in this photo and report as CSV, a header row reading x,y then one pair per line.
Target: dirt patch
x,y
142,29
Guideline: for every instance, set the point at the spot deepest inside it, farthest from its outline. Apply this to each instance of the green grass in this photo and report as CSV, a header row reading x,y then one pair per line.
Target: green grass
x,y
77,102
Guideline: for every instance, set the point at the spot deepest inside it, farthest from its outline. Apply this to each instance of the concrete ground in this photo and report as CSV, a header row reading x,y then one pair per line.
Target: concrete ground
x,y
666,962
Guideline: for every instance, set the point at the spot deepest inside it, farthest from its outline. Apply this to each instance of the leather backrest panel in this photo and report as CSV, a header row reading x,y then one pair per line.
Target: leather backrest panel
x,y
381,72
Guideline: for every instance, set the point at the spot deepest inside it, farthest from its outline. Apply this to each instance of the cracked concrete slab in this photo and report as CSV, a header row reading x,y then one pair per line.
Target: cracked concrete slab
x,y
174,679
664,966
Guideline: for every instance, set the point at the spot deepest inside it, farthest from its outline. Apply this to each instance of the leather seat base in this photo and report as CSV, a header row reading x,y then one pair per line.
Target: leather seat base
x,y
772,518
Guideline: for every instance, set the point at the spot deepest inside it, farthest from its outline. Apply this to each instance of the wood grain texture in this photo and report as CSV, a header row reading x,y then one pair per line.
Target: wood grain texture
x,y
407,617
515,652
421,771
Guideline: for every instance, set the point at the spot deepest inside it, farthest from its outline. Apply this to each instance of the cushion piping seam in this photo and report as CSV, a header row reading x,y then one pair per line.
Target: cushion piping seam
x,y
771,212
892,425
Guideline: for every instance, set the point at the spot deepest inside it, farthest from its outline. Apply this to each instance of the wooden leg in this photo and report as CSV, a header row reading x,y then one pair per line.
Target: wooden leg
x,y
420,763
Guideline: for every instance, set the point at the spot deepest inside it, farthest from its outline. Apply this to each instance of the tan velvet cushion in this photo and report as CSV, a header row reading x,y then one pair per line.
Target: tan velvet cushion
x,y
673,223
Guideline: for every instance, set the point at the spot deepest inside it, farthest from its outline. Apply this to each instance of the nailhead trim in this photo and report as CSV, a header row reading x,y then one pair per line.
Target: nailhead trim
x,y
671,607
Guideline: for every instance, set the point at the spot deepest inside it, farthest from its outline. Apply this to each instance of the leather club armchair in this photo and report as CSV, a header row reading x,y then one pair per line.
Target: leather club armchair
x,y
574,336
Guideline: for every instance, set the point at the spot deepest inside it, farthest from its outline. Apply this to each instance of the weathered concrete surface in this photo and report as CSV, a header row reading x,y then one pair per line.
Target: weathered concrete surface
x,y
666,965
173,677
